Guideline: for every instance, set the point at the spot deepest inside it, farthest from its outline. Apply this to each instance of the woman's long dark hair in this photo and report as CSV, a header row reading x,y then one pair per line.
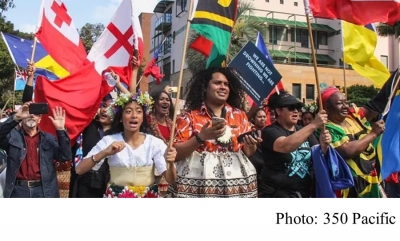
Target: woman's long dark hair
x,y
196,88
118,127
156,96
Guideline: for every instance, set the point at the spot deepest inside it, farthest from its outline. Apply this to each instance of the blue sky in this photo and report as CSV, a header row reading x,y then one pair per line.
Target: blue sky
x,y
26,13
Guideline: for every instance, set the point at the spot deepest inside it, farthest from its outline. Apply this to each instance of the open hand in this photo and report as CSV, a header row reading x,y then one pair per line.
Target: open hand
x,y
115,147
58,118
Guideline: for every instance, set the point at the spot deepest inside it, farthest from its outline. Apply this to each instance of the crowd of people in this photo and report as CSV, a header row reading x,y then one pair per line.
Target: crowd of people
x,y
220,148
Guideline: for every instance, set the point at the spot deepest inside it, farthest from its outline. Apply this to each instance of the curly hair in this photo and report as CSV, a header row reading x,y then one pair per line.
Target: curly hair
x,y
196,88
118,127
156,96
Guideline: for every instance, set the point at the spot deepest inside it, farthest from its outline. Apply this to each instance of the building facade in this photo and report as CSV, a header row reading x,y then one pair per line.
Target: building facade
x,y
287,41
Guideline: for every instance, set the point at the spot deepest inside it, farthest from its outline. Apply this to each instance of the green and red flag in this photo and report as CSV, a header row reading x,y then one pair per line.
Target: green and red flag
x,y
213,20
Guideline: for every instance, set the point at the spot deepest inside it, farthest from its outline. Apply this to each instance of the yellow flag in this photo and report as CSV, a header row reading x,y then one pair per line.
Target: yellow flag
x,y
359,43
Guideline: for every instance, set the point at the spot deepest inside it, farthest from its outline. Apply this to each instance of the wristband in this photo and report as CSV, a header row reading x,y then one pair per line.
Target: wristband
x,y
199,140
94,160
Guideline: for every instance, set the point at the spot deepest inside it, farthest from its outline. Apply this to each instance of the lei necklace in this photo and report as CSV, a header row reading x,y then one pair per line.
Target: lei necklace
x,y
154,126
143,99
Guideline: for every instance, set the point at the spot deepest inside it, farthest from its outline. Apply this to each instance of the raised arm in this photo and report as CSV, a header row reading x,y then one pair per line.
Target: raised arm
x,y
28,90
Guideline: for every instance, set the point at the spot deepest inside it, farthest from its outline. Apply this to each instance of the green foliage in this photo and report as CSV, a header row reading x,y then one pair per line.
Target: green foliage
x,y
89,34
361,94
7,66
387,30
6,4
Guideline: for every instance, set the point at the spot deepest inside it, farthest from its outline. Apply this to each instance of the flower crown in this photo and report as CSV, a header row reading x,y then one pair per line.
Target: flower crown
x,y
143,99
311,108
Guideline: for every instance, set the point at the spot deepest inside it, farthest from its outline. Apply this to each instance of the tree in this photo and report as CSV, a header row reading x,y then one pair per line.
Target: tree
x,y
244,30
89,34
387,30
7,65
6,4
361,94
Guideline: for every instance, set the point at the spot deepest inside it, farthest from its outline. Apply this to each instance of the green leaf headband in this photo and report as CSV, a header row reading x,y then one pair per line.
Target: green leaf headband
x,y
143,99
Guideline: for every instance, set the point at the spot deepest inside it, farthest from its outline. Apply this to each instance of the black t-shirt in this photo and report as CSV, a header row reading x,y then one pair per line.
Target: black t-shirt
x,y
286,171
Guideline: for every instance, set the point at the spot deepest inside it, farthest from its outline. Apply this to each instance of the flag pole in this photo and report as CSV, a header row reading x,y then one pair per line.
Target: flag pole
x,y
308,11
181,74
13,95
33,49
344,64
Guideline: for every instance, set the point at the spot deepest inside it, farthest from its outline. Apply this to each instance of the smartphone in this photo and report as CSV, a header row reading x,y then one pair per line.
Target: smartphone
x,y
38,108
253,133
174,89
217,120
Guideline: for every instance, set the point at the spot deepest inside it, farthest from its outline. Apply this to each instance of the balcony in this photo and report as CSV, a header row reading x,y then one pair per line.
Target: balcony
x,y
164,23
162,6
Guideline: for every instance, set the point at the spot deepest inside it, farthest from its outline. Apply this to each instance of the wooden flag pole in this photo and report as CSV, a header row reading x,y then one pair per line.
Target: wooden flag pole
x,y
33,49
307,8
178,93
344,64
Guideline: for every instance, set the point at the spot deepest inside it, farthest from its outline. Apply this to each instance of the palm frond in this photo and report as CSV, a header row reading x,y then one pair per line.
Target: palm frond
x,y
387,30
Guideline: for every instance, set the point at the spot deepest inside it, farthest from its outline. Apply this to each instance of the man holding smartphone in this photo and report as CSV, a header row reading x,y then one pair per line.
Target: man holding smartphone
x,y
31,172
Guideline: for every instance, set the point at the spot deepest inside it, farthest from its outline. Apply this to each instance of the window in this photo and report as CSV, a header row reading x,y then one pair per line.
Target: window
x,y
281,1
296,4
167,71
320,38
310,92
180,7
277,33
296,90
384,60
300,36
167,45
173,66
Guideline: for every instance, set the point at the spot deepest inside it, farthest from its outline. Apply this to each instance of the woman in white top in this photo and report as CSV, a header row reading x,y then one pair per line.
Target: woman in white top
x,y
135,158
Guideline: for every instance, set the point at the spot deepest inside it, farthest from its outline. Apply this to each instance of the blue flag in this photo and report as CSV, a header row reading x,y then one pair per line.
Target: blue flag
x,y
331,172
21,51
389,146
261,46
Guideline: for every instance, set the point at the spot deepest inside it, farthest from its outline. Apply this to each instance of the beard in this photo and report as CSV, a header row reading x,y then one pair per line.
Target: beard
x,y
31,123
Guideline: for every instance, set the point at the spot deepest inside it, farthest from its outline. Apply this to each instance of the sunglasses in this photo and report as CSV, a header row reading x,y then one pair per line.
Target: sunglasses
x,y
292,107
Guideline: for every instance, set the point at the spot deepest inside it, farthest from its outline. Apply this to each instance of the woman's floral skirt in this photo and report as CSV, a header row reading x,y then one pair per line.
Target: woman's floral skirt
x,y
115,191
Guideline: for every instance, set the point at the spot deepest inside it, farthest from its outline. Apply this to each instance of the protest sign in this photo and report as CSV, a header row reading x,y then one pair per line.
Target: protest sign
x,y
256,73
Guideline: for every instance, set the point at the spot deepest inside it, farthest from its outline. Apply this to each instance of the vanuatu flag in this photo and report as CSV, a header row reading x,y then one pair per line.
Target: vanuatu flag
x,y
213,20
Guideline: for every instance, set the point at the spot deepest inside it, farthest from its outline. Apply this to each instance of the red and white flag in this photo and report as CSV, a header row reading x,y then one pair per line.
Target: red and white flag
x,y
80,93
117,44
59,36
359,12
